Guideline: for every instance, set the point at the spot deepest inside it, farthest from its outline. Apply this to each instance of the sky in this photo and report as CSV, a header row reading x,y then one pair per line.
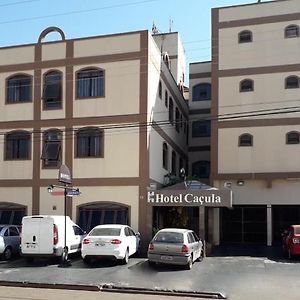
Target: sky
x,y
22,21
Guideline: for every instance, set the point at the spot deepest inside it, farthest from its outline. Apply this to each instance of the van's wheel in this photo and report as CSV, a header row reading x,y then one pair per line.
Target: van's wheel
x,y
7,254
124,261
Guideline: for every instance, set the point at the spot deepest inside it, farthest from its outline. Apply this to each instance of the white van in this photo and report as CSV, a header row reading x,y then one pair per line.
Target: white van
x,y
44,236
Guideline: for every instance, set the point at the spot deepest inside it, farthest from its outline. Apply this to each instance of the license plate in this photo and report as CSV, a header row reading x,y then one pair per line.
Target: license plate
x,y
30,246
166,257
100,244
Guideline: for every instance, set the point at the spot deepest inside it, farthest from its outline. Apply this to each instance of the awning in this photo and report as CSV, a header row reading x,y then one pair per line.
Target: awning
x,y
192,193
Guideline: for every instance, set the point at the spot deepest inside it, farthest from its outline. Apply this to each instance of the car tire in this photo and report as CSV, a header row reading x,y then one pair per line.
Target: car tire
x,y
189,265
290,255
65,255
200,258
7,254
124,261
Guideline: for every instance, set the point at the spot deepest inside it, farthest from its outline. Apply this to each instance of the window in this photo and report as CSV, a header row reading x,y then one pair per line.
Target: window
x,y
246,85
18,89
171,113
174,163
160,90
245,36
177,119
89,143
90,83
201,169
292,82
245,140
51,154
166,98
202,92
201,129
52,94
291,31
165,157
293,137
17,145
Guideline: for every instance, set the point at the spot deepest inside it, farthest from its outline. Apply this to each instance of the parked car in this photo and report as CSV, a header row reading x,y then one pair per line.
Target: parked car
x,y
44,236
110,241
175,246
291,241
9,241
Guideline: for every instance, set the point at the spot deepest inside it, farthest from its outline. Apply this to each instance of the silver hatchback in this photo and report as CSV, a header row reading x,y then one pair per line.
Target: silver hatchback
x,y
9,240
175,246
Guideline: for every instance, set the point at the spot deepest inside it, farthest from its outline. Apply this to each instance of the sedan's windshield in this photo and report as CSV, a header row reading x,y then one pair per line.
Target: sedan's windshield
x,y
169,237
105,232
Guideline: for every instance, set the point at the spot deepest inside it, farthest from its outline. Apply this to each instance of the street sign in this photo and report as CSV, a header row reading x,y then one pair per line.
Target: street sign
x,y
64,175
73,192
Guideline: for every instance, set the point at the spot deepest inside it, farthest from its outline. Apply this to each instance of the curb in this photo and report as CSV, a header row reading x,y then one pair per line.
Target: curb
x,y
115,289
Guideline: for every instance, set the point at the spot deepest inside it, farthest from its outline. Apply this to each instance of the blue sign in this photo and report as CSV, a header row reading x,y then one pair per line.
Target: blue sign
x,y
73,192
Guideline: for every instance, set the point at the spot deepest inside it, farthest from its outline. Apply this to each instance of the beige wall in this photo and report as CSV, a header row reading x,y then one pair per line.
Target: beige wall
x,y
107,45
269,152
51,51
259,10
266,38
121,156
121,91
17,195
16,55
15,111
282,192
128,195
269,93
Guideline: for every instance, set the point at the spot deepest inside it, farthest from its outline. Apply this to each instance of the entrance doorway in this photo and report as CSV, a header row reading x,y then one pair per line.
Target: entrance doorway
x,y
11,214
175,217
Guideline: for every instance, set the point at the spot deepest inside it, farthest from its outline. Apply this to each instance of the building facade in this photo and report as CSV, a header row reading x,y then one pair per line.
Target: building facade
x,y
107,107
255,139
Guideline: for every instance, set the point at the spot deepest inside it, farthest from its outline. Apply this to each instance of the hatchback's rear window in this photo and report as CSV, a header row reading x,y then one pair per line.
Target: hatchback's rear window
x,y
297,230
105,232
169,237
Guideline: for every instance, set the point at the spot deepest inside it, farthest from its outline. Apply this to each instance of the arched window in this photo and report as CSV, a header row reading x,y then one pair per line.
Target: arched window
x,y
292,82
171,112
90,83
160,90
17,145
174,163
246,85
52,94
202,92
291,31
18,89
166,59
51,154
293,137
201,169
166,98
245,36
177,119
245,140
89,142
165,156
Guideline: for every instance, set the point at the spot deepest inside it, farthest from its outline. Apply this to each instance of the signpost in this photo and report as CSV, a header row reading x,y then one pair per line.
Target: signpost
x,y
64,176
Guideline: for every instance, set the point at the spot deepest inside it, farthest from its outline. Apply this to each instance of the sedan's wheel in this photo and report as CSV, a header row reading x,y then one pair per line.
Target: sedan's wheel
x,y
7,254
290,256
200,258
189,265
124,261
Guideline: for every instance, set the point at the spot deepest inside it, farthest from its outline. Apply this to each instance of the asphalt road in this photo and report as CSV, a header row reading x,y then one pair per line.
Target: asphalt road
x,y
239,277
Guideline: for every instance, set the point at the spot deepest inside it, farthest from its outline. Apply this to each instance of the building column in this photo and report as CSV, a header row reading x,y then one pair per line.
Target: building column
x,y
216,226
202,222
269,225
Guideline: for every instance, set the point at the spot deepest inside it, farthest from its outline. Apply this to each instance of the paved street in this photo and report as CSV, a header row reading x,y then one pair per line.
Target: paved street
x,y
239,277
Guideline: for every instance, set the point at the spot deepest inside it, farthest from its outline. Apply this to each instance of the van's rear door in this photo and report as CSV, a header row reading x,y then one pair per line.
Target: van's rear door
x,y
37,235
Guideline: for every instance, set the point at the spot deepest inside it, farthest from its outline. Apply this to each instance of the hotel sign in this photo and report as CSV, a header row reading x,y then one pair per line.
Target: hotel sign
x,y
210,198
